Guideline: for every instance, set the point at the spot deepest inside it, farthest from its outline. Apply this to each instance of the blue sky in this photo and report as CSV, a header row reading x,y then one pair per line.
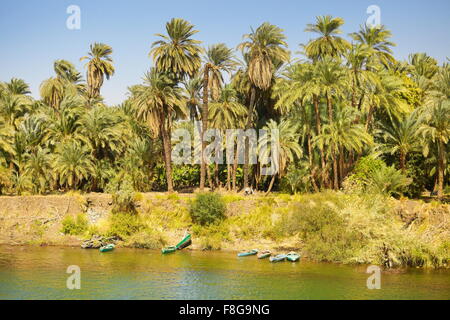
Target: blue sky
x,y
33,33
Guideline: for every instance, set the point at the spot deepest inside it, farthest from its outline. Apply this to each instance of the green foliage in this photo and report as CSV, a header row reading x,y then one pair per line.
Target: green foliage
x,y
146,239
207,208
374,176
123,194
75,226
124,225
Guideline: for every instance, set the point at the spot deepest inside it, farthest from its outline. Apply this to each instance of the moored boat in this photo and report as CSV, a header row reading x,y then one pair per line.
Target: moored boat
x,y
264,254
248,253
108,247
293,256
278,258
186,242
169,250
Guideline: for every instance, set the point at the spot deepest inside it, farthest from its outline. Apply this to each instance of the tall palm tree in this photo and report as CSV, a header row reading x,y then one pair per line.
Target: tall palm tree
x,y
219,59
436,121
285,149
343,134
227,113
329,43
262,47
99,67
159,102
177,53
377,40
400,136
73,163
38,167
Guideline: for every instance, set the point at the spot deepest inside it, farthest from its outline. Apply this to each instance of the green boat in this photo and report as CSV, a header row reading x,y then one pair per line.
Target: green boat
x,y
264,254
278,258
169,250
187,241
248,253
293,256
108,247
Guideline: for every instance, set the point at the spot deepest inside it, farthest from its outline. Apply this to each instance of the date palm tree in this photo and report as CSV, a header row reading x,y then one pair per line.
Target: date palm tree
x,y
377,40
227,113
99,67
159,102
283,151
73,163
219,59
329,43
401,136
177,53
262,47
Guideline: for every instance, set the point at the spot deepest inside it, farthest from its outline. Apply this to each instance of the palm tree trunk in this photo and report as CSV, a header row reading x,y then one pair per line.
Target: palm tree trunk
x,y
216,175
402,162
318,131
441,163
204,126
228,176
167,149
330,109
341,165
311,165
369,118
271,184
335,171
248,126
235,166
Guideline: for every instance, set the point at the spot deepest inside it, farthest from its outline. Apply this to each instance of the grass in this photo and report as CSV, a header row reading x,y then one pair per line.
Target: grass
x,y
329,226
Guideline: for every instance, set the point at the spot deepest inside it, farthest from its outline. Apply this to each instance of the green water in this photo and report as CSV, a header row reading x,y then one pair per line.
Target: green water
x,y
40,273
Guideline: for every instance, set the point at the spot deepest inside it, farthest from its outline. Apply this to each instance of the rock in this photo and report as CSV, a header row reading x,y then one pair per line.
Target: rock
x,y
97,241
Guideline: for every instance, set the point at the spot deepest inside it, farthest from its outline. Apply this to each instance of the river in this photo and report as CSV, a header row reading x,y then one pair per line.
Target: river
x,y
40,273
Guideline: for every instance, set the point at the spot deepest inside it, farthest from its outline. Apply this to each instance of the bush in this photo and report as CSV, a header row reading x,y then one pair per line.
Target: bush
x,y
123,194
207,208
76,226
123,225
374,176
146,239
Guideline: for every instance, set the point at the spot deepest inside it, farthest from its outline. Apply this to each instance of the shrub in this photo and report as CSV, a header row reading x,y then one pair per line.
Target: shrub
x,y
146,239
374,176
76,226
123,194
123,225
207,208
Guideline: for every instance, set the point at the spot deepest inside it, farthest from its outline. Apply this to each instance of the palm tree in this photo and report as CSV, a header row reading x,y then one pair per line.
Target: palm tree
x,y
401,136
159,102
38,167
332,81
227,113
177,53
104,132
99,67
192,89
329,43
262,47
284,151
219,58
436,121
73,163
377,40
343,134
6,139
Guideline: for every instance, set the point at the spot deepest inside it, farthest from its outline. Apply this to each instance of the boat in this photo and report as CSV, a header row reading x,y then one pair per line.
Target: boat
x,y
169,250
278,258
108,247
264,254
186,242
248,253
293,256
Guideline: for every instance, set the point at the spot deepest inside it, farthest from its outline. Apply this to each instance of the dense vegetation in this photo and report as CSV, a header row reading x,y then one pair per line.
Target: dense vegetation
x,y
344,105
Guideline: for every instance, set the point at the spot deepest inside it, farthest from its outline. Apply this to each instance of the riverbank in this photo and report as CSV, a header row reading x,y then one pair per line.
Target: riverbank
x,y
330,226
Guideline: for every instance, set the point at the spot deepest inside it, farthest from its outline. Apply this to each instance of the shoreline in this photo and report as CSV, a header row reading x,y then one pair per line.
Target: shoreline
x,y
266,223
